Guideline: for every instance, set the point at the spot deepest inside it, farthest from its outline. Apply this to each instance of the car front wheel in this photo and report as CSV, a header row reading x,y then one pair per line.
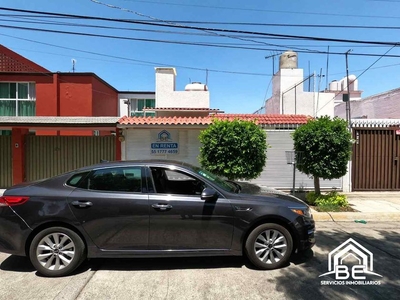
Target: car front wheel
x,y
56,251
269,246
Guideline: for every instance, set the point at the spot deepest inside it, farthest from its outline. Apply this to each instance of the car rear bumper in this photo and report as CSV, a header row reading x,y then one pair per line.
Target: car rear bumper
x,y
13,232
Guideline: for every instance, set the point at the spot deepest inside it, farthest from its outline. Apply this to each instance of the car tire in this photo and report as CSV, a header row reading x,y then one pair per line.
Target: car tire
x,y
269,246
56,251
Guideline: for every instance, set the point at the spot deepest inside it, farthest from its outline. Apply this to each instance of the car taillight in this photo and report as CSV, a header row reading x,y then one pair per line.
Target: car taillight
x,y
13,200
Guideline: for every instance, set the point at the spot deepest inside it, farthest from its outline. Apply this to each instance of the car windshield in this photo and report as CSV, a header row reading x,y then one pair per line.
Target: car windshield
x,y
220,182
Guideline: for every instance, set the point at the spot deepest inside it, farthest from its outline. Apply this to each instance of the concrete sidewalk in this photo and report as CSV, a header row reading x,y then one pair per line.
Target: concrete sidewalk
x,y
369,206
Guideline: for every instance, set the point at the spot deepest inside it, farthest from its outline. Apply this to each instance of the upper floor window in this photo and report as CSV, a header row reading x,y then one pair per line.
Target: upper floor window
x,y
137,106
17,99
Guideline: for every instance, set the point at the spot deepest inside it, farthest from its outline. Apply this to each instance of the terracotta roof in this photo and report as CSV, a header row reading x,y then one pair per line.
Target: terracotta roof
x,y
181,109
164,120
260,119
267,119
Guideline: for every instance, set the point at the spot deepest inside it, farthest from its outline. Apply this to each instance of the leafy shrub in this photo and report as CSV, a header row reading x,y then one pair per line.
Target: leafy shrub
x,y
331,199
326,146
234,149
311,197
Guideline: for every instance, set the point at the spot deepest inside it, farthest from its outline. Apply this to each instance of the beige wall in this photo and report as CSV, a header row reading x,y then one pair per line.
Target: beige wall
x,y
138,141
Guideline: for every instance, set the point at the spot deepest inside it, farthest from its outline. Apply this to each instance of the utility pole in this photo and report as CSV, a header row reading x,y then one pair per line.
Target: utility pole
x,y
347,98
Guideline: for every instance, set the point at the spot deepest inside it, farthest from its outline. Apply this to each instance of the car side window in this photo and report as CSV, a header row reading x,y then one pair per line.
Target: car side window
x,y
76,179
168,181
122,179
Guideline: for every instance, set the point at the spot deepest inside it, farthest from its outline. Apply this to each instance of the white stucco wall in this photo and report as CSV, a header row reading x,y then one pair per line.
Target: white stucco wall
x,y
288,99
324,104
138,144
168,97
183,99
273,104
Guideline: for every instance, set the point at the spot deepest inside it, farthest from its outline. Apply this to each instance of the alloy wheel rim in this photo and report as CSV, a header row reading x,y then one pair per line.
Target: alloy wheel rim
x,y
55,251
270,246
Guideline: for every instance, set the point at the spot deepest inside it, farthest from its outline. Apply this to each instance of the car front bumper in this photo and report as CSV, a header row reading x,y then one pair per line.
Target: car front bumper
x,y
305,228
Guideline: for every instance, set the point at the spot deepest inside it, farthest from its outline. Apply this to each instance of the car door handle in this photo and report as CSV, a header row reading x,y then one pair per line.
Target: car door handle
x,y
161,206
82,204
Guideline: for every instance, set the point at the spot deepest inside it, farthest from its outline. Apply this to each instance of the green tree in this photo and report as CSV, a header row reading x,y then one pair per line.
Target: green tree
x,y
234,149
326,145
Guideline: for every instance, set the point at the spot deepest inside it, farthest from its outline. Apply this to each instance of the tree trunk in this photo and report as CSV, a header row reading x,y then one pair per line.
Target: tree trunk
x,y
317,188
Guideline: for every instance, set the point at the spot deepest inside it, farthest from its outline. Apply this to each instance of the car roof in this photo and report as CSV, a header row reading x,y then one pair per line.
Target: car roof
x,y
122,163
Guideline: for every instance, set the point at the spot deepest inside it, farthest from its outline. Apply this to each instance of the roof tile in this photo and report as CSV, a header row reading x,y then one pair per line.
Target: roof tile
x,y
267,119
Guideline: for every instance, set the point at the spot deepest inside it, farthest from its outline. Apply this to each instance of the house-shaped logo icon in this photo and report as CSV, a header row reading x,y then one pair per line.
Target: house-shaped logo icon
x,y
163,136
337,264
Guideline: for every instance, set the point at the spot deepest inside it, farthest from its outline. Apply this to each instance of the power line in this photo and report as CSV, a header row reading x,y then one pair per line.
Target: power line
x,y
34,21
300,37
188,43
266,10
150,63
363,72
235,23
140,61
180,25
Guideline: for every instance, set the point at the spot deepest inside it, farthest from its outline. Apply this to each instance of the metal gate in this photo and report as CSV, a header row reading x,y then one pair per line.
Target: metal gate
x,y
48,156
5,161
278,174
376,159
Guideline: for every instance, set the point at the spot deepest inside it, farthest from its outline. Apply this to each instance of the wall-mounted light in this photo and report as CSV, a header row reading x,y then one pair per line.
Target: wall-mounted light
x,y
121,136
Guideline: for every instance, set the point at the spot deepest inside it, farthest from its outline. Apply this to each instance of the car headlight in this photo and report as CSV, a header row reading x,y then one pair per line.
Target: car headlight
x,y
306,212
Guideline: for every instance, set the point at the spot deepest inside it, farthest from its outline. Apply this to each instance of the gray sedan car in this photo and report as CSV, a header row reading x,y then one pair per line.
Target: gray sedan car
x,y
149,209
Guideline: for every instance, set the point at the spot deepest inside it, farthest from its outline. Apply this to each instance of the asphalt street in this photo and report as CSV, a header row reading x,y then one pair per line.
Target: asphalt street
x,y
217,278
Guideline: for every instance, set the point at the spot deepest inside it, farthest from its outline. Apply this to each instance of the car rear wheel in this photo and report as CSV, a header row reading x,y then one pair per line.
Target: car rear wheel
x,y
269,246
56,251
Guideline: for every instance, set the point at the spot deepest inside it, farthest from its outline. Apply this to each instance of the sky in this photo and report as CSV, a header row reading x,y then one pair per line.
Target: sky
x,y
235,65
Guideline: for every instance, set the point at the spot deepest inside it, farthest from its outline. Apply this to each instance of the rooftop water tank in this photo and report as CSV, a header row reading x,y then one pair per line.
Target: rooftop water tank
x,y
288,60
353,83
334,86
196,86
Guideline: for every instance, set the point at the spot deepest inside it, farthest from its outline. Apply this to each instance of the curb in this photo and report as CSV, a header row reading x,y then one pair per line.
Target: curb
x,y
352,216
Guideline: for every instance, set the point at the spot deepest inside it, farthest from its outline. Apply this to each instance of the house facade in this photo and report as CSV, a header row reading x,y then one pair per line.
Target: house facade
x,y
35,140
176,138
27,89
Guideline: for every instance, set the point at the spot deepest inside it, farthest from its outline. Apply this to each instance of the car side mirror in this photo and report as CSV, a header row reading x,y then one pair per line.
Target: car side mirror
x,y
209,194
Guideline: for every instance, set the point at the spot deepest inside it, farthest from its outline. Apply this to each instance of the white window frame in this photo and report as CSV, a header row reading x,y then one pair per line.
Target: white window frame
x,y
31,93
133,107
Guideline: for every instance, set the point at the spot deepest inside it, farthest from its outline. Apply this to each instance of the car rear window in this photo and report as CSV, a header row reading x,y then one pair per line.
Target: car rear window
x,y
76,179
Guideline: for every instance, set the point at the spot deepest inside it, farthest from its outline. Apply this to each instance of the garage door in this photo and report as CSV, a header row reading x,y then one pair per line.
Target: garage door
x,y
48,156
277,173
5,161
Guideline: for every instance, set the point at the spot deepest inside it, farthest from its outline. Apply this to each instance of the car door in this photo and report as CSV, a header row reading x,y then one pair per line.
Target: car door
x,y
180,219
111,204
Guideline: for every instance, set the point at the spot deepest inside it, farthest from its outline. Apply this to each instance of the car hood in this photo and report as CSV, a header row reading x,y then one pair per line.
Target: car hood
x,y
257,192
